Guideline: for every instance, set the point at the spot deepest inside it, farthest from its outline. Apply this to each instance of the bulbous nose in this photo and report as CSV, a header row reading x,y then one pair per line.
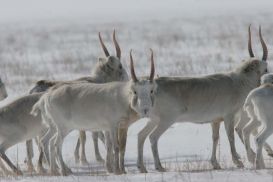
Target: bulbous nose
x,y
145,111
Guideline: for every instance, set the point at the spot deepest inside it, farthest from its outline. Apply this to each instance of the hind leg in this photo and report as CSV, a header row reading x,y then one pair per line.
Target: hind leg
x,y
4,169
30,155
260,140
95,136
62,133
40,168
10,164
241,123
47,144
83,159
122,145
247,130
114,136
77,151
41,159
52,155
229,126
44,142
45,137
109,152
267,147
3,147
80,145
215,138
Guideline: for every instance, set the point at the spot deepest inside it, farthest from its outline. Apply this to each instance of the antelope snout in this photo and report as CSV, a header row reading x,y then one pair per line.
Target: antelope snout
x,y
145,112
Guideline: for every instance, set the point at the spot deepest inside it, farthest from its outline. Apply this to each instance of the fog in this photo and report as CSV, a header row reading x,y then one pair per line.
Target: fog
x,y
122,10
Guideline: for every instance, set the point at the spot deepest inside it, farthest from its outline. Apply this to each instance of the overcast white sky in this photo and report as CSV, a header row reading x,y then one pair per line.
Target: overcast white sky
x,y
32,10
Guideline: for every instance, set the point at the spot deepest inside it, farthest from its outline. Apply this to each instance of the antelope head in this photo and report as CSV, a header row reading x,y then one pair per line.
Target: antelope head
x,y
254,65
142,90
111,65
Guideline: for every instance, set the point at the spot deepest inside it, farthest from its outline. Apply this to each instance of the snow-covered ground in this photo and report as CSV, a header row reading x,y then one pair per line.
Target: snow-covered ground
x,y
58,40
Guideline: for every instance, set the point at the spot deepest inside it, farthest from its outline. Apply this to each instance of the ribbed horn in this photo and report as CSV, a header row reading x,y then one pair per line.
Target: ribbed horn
x,y
249,42
118,51
152,66
133,74
265,51
103,46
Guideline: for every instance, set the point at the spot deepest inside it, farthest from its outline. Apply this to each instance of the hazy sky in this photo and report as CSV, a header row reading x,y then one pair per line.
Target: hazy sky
x,y
31,10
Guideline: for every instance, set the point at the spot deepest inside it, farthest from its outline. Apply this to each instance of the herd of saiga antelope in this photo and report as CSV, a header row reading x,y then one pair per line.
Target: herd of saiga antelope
x,y
108,102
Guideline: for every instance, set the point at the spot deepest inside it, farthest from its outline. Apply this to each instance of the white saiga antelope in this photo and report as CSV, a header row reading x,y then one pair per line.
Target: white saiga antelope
x,y
243,127
199,100
240,122
110,105
258,106
18,125
106,70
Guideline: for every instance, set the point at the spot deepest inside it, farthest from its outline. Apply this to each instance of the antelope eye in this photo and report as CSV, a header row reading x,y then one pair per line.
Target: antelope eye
x,y
152,91
135,92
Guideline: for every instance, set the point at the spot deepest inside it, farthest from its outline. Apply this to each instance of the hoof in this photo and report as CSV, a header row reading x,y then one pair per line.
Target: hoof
x,y
161,169
67,171
123,171
142,169
238,156
216,166
239,164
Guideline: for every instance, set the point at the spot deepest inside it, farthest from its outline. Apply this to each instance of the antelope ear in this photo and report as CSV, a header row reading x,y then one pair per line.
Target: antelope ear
x,y
101,60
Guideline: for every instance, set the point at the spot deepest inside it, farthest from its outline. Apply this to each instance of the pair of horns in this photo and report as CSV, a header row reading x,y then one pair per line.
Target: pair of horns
x,y
265,51
118,51
133,74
